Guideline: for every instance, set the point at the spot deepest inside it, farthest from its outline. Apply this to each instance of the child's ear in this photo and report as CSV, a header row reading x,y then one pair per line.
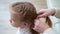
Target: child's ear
x,y
25,24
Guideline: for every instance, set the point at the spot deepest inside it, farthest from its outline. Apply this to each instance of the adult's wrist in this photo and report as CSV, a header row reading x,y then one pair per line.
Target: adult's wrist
x,y
53,11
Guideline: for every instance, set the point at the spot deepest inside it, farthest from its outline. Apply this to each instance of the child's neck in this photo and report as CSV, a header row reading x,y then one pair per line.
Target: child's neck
x,y
25,30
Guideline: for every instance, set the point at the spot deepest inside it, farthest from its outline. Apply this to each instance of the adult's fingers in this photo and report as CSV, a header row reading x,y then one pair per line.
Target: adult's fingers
x,y
37,21
40,12
44,15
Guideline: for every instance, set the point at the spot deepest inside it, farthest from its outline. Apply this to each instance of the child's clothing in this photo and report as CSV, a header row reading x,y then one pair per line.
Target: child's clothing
x,y
25,30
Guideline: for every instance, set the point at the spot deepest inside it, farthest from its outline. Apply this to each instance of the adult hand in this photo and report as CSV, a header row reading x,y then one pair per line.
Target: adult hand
x,y
46,12
40,26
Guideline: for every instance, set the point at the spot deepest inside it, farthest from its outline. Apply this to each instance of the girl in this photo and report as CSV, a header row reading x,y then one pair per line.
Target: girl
x,y
22,16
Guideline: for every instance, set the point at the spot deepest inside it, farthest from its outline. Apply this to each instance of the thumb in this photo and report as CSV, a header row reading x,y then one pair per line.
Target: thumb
x,y
44,15
40,12
35,28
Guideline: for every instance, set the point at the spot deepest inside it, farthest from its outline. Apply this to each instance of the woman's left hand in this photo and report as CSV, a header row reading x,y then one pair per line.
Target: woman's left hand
x,y
40,26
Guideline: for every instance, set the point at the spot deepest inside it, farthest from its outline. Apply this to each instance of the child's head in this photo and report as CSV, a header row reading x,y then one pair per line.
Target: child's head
x,y
22,14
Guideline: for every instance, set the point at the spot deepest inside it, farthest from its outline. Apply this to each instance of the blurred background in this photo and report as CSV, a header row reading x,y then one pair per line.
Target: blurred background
x,y
6,28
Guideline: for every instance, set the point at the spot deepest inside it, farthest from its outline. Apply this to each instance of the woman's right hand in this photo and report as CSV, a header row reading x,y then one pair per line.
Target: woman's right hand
x,y
46,12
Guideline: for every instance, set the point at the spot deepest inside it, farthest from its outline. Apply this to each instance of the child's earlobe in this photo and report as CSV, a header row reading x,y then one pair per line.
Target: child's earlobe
x,y
25,24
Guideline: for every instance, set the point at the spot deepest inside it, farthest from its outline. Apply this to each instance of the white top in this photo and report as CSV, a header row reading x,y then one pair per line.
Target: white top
x,y
25,30
49,31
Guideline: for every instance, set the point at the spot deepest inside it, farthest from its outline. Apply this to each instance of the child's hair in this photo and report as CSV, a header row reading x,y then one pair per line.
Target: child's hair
x,y
25,11
48,21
